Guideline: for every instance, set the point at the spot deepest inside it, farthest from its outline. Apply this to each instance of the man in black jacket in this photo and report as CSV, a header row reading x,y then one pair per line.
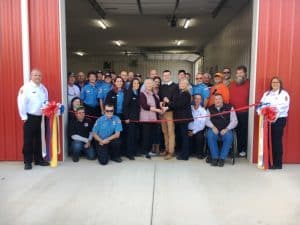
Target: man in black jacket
x,y
220,128
80,131
167,93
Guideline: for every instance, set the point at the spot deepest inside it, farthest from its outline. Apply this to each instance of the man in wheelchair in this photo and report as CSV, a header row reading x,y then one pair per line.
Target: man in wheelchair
x,y
220,129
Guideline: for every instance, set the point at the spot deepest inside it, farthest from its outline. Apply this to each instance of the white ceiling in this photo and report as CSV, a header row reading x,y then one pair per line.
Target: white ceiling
x,y
146,32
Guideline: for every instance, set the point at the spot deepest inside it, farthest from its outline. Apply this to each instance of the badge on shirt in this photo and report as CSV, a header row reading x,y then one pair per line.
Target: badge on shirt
x,y
86,124
286,98
113,123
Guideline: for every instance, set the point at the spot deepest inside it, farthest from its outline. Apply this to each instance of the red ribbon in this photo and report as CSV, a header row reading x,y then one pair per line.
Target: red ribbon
x,y
269,113
51,109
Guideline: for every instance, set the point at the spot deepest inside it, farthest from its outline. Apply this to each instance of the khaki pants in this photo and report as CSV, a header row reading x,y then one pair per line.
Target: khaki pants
x,y
168,129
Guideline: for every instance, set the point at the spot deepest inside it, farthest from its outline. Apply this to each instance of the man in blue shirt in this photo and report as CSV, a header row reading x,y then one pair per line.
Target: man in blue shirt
x,y
104,89
201,89
106,132
88,95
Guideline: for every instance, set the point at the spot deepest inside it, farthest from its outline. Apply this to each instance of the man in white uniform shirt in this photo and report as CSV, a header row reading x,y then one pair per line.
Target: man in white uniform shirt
x,y
196,127
31,97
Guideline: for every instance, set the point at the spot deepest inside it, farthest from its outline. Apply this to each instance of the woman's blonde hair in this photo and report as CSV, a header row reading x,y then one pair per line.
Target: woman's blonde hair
x,y
187,83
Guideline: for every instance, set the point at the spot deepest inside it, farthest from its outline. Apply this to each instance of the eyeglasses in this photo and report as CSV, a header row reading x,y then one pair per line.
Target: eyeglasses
x,y
226,72
80,112
275,82
109,111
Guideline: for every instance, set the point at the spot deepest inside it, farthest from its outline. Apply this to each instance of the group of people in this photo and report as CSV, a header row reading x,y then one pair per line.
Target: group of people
x,y
111,116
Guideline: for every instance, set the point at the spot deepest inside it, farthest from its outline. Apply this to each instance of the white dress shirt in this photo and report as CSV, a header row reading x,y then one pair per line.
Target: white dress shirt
x,y
199,123
31,98
281,101
73,91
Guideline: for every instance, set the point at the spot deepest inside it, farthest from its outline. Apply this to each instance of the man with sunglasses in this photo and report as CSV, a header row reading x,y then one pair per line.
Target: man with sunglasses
x,y
106,132
80,131
227,76
201,89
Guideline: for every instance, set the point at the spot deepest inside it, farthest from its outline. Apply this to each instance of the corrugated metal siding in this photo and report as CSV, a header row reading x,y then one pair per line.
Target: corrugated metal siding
x,y
279,54
232,46
45,44
11,79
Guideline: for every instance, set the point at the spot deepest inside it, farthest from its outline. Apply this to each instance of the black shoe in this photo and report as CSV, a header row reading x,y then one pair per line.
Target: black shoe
x,y
118,160
148,156
208,159
42,163
214,162
275,167
27,166
75,159
130,157
181,158
221,162
200,157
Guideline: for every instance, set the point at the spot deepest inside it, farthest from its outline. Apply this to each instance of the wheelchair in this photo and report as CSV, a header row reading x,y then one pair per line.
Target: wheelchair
x,y
233,152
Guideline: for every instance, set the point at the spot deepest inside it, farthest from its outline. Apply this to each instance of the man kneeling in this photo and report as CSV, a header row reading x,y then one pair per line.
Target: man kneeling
x,y
220,129
106,132
80,131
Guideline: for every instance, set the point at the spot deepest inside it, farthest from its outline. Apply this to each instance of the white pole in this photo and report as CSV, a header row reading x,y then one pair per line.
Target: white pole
x,y
254,46
63,72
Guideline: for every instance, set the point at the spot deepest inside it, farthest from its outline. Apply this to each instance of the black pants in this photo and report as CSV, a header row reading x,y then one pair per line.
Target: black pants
x,y
242,131
123,135
92,112
148,130
183,132
197,144
277,134
132,139
32,145
110,150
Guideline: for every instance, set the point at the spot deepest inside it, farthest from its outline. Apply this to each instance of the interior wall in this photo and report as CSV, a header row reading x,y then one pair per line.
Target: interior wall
x,y
232,45
119,63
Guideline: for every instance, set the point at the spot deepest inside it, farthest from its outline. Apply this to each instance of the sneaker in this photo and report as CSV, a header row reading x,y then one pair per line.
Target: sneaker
x,y
131,157
221,162
152,153
148,156
242,154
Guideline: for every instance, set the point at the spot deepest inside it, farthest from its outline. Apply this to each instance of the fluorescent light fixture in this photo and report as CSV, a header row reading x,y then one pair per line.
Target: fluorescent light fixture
x,y
102,24
118,43
186,23
179,42
80,53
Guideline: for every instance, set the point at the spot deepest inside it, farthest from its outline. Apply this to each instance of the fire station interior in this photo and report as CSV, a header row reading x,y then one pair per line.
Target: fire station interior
x,y
138,35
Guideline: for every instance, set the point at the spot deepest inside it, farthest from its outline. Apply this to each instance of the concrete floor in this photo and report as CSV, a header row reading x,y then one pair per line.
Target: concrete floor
x,y
149,192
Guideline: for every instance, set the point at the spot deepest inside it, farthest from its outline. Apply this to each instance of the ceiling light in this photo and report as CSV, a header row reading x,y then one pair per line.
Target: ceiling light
x,y
118,43
102,24
186,23
80,53
179,42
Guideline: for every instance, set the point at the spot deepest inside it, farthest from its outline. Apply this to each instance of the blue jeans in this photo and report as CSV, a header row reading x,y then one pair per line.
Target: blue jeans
x,y
77,147
226,140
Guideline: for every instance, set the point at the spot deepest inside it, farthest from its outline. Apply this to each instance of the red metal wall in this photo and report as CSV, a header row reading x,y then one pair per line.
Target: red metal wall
x,y
44,54
45,44
11,79
279,54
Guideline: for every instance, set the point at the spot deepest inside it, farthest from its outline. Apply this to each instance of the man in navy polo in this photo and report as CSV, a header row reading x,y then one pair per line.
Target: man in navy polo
x,y
106,132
